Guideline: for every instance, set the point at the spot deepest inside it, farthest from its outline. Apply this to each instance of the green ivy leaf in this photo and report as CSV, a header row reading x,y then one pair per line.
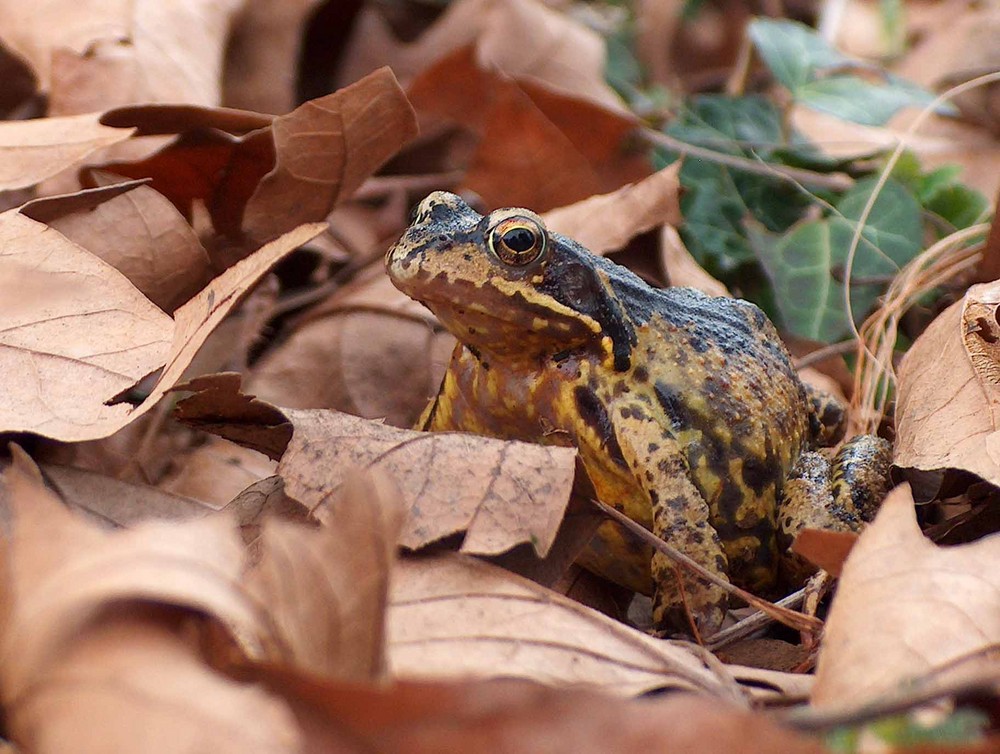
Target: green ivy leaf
x,y
820,77
806,265
718,199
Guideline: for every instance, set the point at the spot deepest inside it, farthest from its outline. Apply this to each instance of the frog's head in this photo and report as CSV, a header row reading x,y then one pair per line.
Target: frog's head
x,y
505,285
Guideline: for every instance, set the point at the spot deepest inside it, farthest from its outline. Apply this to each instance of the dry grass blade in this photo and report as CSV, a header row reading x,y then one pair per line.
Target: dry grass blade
x,y
875,373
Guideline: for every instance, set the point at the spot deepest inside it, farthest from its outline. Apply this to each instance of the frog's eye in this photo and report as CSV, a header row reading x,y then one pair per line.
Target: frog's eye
x,y
517,241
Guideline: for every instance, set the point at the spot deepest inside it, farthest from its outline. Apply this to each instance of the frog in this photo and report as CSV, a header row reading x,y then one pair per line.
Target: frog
x,y
685,409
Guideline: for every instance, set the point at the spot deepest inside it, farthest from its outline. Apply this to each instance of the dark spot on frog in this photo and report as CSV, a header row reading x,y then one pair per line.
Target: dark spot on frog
x,y
653,447
467,257
672,404
595,416
640,374
759,473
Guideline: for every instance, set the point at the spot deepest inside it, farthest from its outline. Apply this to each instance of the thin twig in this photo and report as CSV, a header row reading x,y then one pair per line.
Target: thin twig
x,y
790,618
752,623
833,181
824,353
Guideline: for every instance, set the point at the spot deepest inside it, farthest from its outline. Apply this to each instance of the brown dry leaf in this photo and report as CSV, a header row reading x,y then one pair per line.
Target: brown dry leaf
x,y
350,351
325,149
607,222
276,177
500,493
61,572
33,150
326,589
950,53
453,616
264,54
93,54
940,142
681,267
111,501
68,356
551,48
144,237
826,549
216,471
510,716
537,147
511,492
948,401
905,606
132,684
72,357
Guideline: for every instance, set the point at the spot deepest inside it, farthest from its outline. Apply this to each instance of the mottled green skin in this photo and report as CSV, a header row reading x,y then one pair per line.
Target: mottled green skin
x,y
685,408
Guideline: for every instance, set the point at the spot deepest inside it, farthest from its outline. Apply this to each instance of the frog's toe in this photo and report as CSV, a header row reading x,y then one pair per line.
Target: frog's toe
x,y
837,496
861,474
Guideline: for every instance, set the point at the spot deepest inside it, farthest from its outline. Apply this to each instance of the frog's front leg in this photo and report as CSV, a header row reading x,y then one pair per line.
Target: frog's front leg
x,y
680,516
838,496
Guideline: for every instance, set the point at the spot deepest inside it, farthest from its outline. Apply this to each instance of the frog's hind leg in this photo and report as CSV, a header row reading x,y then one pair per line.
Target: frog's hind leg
x,y
680,516
838,496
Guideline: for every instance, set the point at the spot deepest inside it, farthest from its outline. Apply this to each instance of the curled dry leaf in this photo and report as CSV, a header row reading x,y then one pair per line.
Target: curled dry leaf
x,y
948,404
215,471
33,150
144,237
326,589
906,606
69,357
292,171
500,493
95,341
453,617
61,572
350,352
130,683
94,55
551,48
607,222
512,716
511,492
110,501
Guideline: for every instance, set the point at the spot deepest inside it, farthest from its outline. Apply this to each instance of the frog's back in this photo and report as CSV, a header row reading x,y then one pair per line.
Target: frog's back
x,y
727,388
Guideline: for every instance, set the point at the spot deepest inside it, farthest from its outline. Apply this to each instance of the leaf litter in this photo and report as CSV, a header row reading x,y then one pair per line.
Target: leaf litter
x,y
299,616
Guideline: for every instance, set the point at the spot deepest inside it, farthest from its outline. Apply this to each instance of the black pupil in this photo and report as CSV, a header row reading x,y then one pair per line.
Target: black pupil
x,y
519,239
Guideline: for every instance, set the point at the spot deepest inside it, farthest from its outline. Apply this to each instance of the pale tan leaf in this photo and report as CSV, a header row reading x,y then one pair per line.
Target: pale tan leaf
x,y
325,149
33,150
681,267
515,492
511,716
906,606
455,616
144,237
131,684
552,49
607,222
119,503
68,355
62,571
349,353
106,337
948,403
216,471
94,54
326,589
